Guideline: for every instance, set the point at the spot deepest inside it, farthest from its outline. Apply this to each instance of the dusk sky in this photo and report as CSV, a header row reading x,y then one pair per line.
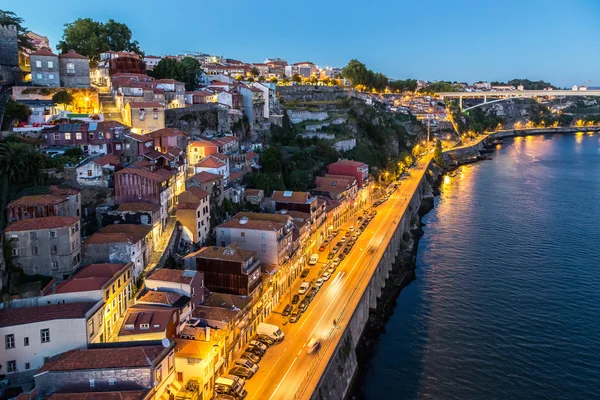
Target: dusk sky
x,y
463,40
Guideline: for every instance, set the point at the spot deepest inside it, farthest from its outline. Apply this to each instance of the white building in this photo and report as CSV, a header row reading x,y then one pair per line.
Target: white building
x,y
96,172
33,334
215,165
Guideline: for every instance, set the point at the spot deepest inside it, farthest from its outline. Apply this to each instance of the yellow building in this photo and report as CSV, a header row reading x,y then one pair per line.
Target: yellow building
x,y
144,117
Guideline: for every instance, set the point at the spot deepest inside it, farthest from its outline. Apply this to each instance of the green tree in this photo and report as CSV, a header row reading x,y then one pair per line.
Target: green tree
x,y
254,72
10,18
296,78
250,79
438,156
185,71
239,77
261,78
314,80
19,163
63,97
357,73
16,111
271,160
273,80
90,38
285,80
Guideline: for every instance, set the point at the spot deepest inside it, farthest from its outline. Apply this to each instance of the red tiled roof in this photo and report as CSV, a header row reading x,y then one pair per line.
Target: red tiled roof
x,y
171,275
222,253
253,192
202,143
90,277
72,54
107,160
43,52
294,197
146,104
350,163
251,155
63,191
236,175
220,157
157,318
198,192
117,357
138,206
119,233
38,199
121,395
271,224
107,125
158,297
167,132
188,206
140,138
34,224
29,315
205,176
168,81
210,162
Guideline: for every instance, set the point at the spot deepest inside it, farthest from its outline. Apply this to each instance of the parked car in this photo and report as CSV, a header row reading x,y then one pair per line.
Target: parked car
x,y
313,291
256,343
305,273
251,356
295,316
256,350
347,248
269,341
295,299
242,372
246,364
331,270
343,240
312,346
326,275
222,396
319,282
351,230
331,254
341,257
322,247
303,288
303,305
287,310
313,259
336,232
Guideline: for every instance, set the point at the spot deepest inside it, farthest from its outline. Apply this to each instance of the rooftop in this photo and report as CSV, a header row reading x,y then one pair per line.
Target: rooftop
x,y
166,298
35,224
210,162
138,206
222,253
257,221
37,200
119,233
159,175
30,315
172,275
292,197
90,277
205,177
349,163
145,104
72,54
145,318
43,52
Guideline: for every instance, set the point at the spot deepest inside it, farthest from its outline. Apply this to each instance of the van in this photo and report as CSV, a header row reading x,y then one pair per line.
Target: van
x,y
247,364
313,259
271,331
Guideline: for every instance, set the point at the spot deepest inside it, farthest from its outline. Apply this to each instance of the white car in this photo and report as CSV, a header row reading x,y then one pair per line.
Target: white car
x,y
304,288
312,346
343,240
326,275
352,228
319,282
313,259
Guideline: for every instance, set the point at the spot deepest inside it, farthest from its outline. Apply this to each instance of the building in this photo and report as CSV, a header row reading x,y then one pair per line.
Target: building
x,y
74,70
201,361
151,62
97,171
144,117
336,187
33,334
295,201
149,322
214,164
199,149
357,169
138,213
109,368
268,235
65,202
226,144
186,282
121,243
45,68
48,246
227,269
212,183
193,212
254,196
110,283
174,92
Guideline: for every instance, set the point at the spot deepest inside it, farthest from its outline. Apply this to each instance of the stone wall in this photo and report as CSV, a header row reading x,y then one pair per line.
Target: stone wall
x,y
297,116
199,119
345,145
9,54
311,93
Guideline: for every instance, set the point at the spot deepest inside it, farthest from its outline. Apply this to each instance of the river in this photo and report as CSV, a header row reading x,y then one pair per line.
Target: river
x,y
506,304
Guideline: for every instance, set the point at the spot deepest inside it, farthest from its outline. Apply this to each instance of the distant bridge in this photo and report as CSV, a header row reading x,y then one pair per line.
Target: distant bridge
x,y
511,94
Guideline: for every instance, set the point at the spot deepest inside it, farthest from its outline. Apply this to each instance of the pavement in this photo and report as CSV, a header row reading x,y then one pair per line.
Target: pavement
x,y
287,371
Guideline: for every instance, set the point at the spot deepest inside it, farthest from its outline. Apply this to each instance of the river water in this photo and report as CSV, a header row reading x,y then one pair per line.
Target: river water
x,y
506,304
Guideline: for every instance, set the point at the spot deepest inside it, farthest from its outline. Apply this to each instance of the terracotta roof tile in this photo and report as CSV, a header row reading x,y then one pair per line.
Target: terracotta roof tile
x,y
29,315
291,197
222,253
160,175
36,200
35,224
119,233
90,277
72,54
205,176
107,160
145,104
138,206
43,52
172,275
167,132
210,162
157,318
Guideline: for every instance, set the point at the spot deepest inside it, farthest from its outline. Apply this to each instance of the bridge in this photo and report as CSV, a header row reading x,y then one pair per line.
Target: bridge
x,y
511,94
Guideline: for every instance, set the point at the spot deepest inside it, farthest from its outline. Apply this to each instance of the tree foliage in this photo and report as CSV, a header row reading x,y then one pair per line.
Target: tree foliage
x,y
16,111
185,71
10,18
438,156
90,38
441,86
63,97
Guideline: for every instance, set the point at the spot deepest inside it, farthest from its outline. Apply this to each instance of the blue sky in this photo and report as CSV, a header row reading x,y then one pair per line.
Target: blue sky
x,y
463,40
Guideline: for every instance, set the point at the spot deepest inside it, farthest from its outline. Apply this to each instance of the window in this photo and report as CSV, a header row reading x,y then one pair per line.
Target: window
x,y
38,64
89,172
100,135
74,260
50,76
73,230
243,234
54,265
15,252
91,135
53,249
127,146
57,136
78,135
264,236
92,383
9,341
170,362
45,335
108,135
145,220
27,365
117,147
158,373
70,68
111,381
39,76
52,234
26,341
34,251
33,235
68,136
12,366
50,65
263,248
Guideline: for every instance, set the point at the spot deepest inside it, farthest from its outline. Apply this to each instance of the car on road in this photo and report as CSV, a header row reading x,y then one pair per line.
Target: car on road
x,y
351,230
269,341
242,372
326,275
312,346
359,219
355,236
287,310
336,248
343,240
295,299
342,256
246,364
331,270
303,288
303,305
305,273
295,316
331,255
251,356
313,259
223,396
319,282
256,343
322,247
255,350
373,213
348,233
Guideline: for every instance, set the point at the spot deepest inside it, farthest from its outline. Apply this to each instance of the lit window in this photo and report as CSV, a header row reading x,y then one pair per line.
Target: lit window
x,y
57,136
50,65
118,146
50,76
70,68
89,172
78,136
39,76
67,136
